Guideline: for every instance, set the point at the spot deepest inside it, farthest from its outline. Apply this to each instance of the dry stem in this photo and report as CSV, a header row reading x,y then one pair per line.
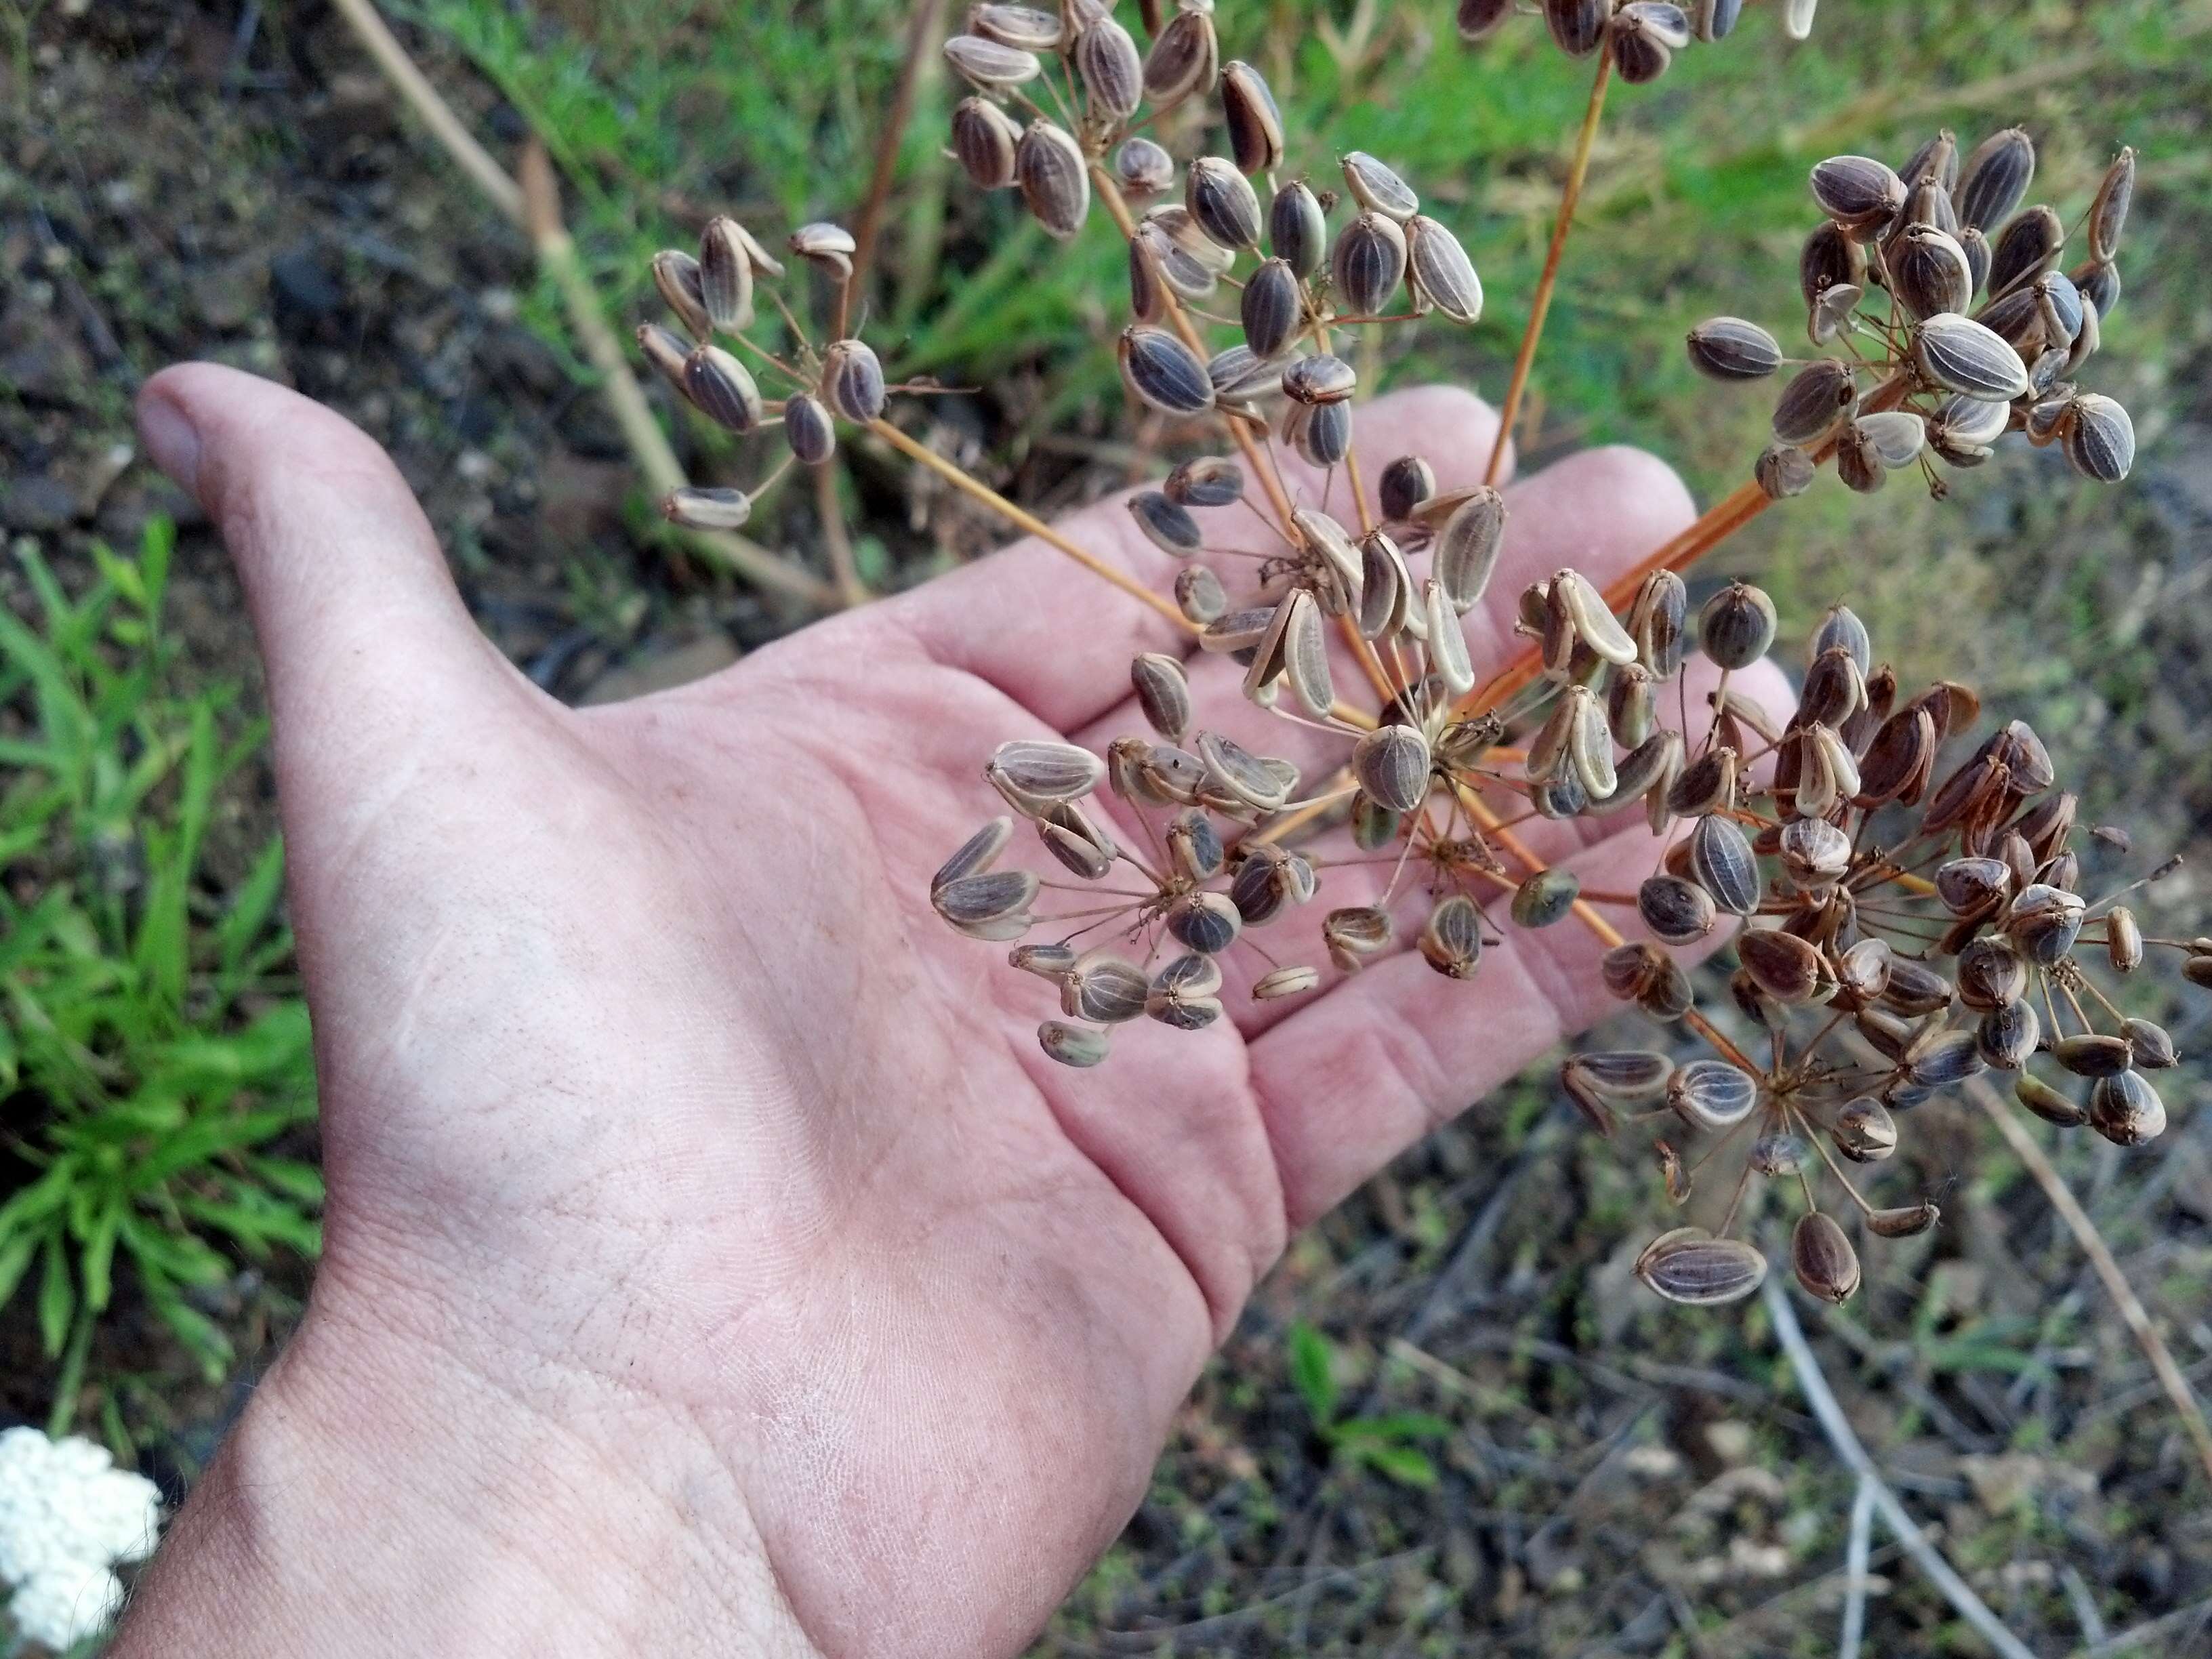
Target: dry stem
x,y
2100,1257
1541,305
845,569
920,62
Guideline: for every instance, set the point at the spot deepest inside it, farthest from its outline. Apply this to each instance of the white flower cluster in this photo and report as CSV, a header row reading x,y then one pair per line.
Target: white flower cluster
x,y
67,1515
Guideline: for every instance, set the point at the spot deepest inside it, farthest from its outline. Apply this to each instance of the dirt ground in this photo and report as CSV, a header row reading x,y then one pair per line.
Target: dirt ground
x,y
1619,1478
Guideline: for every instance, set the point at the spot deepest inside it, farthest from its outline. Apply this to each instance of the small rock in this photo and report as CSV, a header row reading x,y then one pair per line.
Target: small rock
x,y
303,285
38,504
1729,1442
2002,1483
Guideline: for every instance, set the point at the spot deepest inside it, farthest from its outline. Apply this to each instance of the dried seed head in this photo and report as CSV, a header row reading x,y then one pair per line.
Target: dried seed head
x,y
1055,183
1072,1045
853,381
1822,1257
1112,73
1578,26
1255,125
1690,1265
1378,189
1368,263
1167,526
1142,166
991,65
808,429
1285,982
1730,348
677,275
721,388
1994,179
983,140
1817,398
1184,59
1199,594
1737,626
2125,1109
2099,438
1440,271
1451,940
726,274
1856,191
1204,481
1164,373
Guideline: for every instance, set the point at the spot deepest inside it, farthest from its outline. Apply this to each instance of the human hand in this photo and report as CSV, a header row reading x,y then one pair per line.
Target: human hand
x,y
713,1259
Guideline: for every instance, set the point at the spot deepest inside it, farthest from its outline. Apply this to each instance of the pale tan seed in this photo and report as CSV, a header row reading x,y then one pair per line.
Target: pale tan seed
x,y
1073,1045
2108,213
1322,377
1323,537
1711,1094
1283,982
1589,745
1447,643
991,65
1592,618
1894,436
1386,587
1467,548
1076,840
1864,1132
1242,776
666,350
1439,272
707,509
1376,188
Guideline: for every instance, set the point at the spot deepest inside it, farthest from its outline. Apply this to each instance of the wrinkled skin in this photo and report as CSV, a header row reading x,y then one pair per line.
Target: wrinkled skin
x,y
713,1258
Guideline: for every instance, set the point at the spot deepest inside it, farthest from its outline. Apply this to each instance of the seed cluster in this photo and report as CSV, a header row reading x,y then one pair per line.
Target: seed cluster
x,y
1955,322
1638,38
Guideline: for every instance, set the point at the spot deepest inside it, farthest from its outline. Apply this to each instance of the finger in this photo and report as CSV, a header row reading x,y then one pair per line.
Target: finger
x,y
1601,511
1057,639
1359,1073
367,644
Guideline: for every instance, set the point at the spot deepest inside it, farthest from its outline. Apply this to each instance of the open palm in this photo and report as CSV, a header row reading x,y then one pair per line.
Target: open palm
x,y
667,1129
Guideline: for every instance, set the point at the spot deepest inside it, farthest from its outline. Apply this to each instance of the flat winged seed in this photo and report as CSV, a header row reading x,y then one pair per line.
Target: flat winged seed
x,y
1236,630
808,429
1376,188
1822,1258
1632,705
1204,481
1045,961
1715,19
1677,912
1578,26
1994,180
707,509
976,854
1466,551
1112,72
1857,192
1222,202
2024,249
1593,619
677,275
1477,20
1934,163
2126,1110
1184,59
1711,1094
1589,745
979,900
725,274
1305,655
1441,271
721,388
1391,763
1054,181
1818,396
1722,863
2008,1034
853,380
1448,653
1164,372
1929,272
2108,213
830,247
991,65
1948,1060
1072,1045
1737,626
1626,1077
1354,935
1285,982
1199,595
1369,262
1243,775
1273,306
1255,125
1451,940
665,350
1036,769
1895,437
2124,939
1690,1266
1240,372
1386,587
1071,835
1545,898
1730,348
1143,166
1787,969
2099,438
1297,233
1829,258
1017,25
1864,1132
1903,1221
1321,377
1166,524
1104,989
2092,1054
1207,923
1163,693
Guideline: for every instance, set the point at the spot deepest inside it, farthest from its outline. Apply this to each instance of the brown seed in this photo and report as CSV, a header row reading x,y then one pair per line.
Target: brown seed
x,y
1056,183
666,350
1948,1060
2108,213
1297,234
1163,693
1830,258
1864,1132
1222,202
1990,973
991,65
1857,192
1391,763
677,275
2047,1104
828,247
1822,1257
1204,481
984,899
707,509
1321,377
2151,1043
1632,706
2092,1054
1730,348
1369,263
1545,898
2044,921
1451,940
1905,1222
1643,38
1017,25
1722,863
1305,655
1354,935
1440,272
808,429
1929,272
1677,912
1255,125
2029,245
1104,989
2123,941
1076,840
1783,966
721,388
1239,775
1072,1045
2008,1034
1690,1265
1184,59
1031,772
726,274
2126,1111
1816,398
2099,438
1144,167
1406,484
1578,26
1162,372
1112,73
1285,982
1995,178
1199,594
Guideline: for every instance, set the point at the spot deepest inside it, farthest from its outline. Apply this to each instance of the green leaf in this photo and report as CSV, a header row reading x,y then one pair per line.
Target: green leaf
x,y
15,1260
1402,1464
96,1260
57,1295
1313,1372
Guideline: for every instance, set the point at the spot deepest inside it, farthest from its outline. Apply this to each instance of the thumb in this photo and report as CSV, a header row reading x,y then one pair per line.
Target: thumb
x,y
366,642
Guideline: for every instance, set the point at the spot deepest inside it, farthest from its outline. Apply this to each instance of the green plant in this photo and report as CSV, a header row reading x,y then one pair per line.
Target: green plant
x,y
153,1051
1388,1443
